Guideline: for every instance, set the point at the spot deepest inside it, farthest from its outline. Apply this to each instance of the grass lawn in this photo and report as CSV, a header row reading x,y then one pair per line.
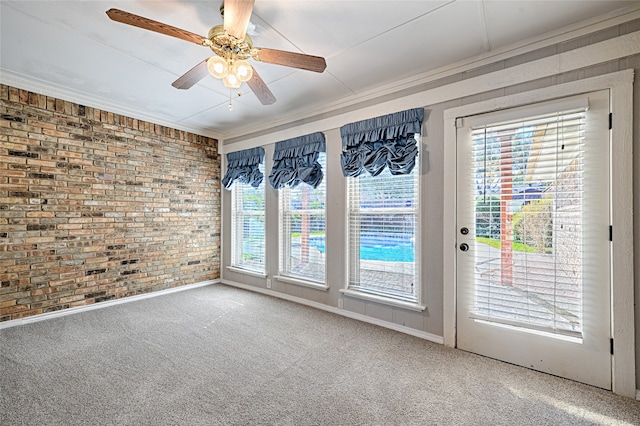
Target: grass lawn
x,y
516,246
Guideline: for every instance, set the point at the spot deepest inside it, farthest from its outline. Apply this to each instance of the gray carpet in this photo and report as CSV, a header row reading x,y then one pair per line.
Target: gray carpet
x,y
221,356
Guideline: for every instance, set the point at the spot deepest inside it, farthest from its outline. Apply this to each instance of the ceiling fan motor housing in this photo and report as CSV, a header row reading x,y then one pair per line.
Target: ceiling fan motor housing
x,y
227,46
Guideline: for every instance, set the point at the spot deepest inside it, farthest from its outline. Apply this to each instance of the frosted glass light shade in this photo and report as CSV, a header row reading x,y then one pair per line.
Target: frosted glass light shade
x,y
242,69
218,67
231,81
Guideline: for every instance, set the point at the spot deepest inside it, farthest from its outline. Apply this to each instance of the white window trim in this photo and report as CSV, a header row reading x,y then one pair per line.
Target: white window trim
x,y
302,282
620,85
389,300
239,267
284,245
383,300
246,271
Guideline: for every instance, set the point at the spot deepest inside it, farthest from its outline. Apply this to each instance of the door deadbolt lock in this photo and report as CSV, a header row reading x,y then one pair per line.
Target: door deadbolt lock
x,y
464,230
464,246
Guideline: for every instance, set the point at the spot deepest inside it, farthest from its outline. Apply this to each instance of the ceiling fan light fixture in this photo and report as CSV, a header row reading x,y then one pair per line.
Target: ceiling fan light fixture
x,y
242,70
218,67
231,81
230,44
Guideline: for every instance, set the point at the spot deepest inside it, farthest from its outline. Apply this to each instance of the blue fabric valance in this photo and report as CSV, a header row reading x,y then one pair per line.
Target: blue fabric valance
x,y
243,166
296,160
386,141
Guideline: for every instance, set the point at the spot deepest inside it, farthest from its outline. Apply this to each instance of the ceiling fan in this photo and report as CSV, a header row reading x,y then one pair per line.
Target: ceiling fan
x,y
231,46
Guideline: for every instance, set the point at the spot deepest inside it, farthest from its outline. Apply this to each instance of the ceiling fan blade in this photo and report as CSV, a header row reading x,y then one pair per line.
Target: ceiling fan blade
x,y
260,89
290,59
191,77
151,25
236,17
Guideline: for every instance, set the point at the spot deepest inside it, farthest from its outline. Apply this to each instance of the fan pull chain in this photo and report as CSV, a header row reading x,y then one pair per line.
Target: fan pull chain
x,y
230,97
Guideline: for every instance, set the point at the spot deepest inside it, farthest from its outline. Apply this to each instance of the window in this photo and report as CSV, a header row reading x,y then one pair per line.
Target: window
x,y
245,178
247,226
302,230
380,160
530,224
383,234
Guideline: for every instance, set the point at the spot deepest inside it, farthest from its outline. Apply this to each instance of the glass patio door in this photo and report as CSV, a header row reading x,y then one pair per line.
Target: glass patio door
x,y
533,251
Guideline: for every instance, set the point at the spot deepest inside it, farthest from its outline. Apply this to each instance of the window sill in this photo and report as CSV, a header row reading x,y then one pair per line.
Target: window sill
x,y
305,283
247,272
384,300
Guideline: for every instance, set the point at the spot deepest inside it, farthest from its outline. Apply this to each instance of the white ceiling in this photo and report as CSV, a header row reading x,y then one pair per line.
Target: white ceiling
x,y
72,50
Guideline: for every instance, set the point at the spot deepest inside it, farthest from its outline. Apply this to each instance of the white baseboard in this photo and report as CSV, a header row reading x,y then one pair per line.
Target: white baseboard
x,y
353,315
107,303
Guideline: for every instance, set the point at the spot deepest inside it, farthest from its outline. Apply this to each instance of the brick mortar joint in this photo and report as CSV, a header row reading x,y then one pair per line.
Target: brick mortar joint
x,y
48,198
102,116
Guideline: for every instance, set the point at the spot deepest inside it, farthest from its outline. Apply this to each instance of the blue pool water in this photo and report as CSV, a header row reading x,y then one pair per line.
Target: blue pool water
x,y
389,248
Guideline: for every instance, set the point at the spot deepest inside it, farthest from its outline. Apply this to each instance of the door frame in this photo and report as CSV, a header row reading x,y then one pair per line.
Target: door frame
x,y
620,85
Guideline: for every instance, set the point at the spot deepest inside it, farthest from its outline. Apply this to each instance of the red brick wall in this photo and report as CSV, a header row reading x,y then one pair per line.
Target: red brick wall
x,y
96,206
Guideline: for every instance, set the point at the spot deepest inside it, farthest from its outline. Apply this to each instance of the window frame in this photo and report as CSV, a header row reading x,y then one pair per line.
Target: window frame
x,y
352,185
284,234
569,117
237,219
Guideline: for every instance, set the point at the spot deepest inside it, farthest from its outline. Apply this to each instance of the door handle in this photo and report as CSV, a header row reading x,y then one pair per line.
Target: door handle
x,y
464,246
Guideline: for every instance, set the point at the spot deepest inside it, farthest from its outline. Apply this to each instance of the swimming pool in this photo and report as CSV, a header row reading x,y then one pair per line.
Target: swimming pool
x,y
388,248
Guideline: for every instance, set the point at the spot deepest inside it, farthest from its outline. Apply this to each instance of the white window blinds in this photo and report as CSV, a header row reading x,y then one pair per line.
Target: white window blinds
x,y
302,230
382,234
529,213
248,226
